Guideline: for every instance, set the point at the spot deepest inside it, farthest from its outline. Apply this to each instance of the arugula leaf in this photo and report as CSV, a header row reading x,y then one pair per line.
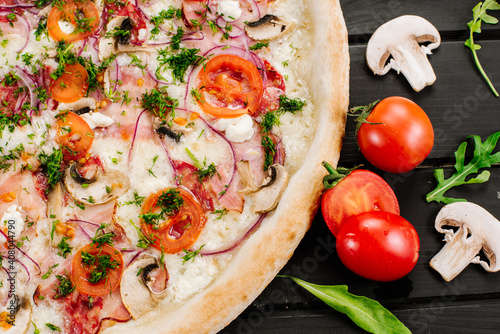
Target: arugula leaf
x,y
367,313
480,15
482,159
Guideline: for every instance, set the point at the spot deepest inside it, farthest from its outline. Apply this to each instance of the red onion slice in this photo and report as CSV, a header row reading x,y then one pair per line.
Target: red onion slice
x,y
30,84
238,241
25,268
22,252
135,135
24,22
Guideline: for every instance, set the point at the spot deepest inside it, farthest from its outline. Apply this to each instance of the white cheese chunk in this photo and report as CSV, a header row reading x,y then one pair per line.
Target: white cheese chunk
x,y
66,27
142,34
237,129
97,120
12,217
229,9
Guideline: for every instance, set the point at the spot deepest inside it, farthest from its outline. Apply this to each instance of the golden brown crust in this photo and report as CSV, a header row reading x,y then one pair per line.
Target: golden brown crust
x,y
261,257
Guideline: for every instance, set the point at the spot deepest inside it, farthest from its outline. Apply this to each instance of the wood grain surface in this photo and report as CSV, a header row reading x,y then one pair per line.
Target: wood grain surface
x,y
459,104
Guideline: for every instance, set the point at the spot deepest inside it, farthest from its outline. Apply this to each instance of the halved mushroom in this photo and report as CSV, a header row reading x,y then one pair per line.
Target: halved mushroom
x,y
115,41
400,39
477,230
266,196
136,286
269,27
101,188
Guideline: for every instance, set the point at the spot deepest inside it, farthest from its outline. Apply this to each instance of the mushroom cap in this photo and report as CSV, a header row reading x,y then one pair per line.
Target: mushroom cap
x,y
104,188
480,224
83,105
266,196
110,45
395,32
269,27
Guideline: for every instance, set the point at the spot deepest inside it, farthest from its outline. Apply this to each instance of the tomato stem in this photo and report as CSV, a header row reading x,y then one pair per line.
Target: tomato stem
x,y
361,113
335,175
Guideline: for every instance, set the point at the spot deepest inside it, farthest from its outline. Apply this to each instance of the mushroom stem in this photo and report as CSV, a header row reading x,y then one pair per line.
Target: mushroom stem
x,y
411,60
456,254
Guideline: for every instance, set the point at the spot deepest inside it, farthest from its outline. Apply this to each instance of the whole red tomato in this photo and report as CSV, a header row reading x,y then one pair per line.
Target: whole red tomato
x,y
358,192
377,245
399,137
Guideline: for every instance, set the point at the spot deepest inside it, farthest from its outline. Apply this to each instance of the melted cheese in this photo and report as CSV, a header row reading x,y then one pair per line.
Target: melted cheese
x,y
148,166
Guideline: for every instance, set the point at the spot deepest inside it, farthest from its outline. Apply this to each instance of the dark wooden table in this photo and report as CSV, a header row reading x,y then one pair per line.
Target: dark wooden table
x,y
459,104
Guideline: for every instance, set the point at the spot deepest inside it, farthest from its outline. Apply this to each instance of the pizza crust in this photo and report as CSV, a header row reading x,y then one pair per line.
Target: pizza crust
x,y
260,258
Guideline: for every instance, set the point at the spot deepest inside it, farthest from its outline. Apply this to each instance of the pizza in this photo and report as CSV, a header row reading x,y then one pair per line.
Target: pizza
x,y
161,159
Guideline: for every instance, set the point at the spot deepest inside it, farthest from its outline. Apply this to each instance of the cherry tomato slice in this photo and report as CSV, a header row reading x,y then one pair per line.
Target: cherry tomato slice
x,y
178,231
230,86
358,192
72,85
377,245
81,271
74,136
84,25
400,136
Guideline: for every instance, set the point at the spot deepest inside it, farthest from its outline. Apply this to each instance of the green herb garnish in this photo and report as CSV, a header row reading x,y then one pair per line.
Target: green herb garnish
x,y
190,255
49,272
169,202
65,286
64,248
53,327
102,237
259,45
178,62
204,172
272,118
51,166
159,103
480,15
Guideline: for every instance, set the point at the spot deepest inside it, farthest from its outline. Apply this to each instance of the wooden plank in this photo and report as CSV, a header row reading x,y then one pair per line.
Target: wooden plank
x,y
315,260
439,316
459,103
449,17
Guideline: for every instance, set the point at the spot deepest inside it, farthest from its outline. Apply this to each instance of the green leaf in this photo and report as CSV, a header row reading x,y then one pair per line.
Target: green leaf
x,y
476,27
480,15
483,158
364,312
491,4
489,19
476,11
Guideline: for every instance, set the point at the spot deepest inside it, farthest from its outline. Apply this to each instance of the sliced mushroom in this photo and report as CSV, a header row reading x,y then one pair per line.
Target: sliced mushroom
x,y
162,128
400,39
82,106
102,188
113,43
269,27
266,196
136,289
54,211
477,230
